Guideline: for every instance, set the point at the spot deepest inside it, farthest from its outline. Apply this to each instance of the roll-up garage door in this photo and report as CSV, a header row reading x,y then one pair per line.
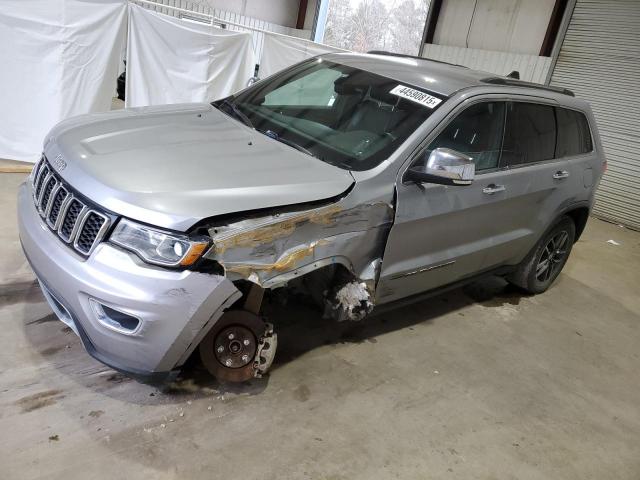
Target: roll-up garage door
x,y
600,61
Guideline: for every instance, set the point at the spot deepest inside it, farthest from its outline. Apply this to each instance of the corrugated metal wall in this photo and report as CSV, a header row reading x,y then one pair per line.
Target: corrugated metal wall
x,y
600,61
531,67
258,37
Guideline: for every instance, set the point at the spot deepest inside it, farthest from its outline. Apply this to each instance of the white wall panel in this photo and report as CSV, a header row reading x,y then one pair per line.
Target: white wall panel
x,y
502,25
532,68
281,52
59,59
171,60
231,16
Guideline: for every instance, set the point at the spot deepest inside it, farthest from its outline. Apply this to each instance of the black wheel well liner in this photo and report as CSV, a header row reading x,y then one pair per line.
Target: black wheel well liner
x,y
579,215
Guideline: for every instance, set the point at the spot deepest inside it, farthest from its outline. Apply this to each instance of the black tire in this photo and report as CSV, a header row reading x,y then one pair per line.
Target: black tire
x,y
552,250
121,85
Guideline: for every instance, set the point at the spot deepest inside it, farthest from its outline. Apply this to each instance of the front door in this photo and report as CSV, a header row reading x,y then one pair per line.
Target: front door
x,y
442,234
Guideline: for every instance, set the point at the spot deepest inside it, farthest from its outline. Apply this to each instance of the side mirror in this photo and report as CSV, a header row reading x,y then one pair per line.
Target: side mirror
x,y
445,167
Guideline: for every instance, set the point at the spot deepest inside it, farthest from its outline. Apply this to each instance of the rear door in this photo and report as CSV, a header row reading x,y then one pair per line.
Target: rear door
x,y
539,183
442,234
575,143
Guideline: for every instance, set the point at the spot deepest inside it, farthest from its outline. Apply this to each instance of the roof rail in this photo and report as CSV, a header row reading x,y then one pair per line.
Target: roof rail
x,y
402,55
511,82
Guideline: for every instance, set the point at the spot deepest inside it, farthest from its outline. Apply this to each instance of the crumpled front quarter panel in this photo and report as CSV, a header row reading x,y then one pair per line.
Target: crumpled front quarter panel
x,y
275,248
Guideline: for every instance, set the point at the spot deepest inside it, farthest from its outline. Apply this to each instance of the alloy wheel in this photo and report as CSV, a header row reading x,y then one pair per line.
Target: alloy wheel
x,y
553,257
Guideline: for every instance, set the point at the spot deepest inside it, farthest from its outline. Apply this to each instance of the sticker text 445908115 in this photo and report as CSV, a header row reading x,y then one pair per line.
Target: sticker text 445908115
x,y
416,96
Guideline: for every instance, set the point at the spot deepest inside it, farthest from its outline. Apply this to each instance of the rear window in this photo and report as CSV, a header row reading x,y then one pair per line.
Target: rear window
x,y
530,134
574,136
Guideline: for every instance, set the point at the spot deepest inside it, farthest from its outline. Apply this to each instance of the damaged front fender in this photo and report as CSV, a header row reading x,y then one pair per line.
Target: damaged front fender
x,y
272,249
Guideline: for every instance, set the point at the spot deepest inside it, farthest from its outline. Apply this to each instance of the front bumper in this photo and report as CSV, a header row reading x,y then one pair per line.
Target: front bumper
x,y
175,308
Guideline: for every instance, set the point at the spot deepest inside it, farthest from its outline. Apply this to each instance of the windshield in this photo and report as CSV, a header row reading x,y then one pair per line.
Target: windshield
x,y
342,115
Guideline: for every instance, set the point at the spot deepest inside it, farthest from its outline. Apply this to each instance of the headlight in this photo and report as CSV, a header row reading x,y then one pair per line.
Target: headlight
x,y
158,247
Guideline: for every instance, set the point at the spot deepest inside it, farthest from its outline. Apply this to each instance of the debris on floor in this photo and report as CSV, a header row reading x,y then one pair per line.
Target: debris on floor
x,y
613,242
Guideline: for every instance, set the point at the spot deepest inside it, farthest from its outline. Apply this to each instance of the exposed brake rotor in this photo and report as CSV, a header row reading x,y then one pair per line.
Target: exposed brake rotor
x,y
240,346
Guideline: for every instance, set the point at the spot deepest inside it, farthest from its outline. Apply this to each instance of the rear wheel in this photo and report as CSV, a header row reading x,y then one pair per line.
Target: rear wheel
x,y
542,266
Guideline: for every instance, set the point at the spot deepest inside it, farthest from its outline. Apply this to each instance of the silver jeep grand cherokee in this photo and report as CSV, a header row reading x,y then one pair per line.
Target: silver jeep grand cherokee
x,y
358,179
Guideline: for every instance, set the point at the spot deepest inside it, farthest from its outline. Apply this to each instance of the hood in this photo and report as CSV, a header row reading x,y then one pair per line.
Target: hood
x,y
174,165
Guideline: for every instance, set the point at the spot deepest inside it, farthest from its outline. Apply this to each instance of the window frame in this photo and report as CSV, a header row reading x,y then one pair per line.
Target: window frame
x,y
552,104
445,122
495,97
586,117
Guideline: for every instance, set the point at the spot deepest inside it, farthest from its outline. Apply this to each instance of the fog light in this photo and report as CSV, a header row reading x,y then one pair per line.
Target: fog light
x,y
114,319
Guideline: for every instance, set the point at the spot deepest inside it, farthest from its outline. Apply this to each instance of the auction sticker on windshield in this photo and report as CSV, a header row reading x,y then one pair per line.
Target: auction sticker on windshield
x,y
417,96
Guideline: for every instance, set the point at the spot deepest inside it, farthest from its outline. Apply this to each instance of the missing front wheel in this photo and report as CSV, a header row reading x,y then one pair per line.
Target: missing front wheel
x,y
241,346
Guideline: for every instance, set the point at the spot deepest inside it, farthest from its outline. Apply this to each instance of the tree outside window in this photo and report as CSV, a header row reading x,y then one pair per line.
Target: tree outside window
x,y
363,25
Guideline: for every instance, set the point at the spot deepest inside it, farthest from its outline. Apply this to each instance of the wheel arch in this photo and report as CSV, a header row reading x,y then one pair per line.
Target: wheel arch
x,y
579,215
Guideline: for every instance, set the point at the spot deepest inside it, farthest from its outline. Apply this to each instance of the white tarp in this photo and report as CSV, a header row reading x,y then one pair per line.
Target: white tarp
x,y
280,52
171,60
59,58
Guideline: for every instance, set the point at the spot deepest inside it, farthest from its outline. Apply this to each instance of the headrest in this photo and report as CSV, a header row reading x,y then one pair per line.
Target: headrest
x,y
342,86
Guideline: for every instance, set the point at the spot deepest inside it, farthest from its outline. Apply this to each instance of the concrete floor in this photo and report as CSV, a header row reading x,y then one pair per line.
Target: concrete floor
x,y
478,383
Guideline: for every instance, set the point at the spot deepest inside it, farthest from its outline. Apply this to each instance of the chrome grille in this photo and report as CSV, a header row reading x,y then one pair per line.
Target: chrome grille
x,y
76,222
42,174
92,224
58,199
70,219
49,185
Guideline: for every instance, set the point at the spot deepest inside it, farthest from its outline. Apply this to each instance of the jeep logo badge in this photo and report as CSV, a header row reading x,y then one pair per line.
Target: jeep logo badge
x,y
59,163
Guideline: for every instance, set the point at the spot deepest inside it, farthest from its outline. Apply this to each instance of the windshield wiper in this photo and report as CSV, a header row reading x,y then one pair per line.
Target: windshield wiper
x,y
236,112
275,136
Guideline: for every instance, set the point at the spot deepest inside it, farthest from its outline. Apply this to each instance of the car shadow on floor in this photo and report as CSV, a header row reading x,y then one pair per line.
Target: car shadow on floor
x,y
303,329
300,327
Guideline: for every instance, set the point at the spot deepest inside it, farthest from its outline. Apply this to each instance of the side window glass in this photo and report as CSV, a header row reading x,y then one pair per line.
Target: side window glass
x,y
574,136
476,132
530,134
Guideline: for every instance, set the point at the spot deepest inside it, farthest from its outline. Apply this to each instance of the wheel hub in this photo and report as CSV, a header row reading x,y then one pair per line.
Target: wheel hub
x,y
235,346
240,347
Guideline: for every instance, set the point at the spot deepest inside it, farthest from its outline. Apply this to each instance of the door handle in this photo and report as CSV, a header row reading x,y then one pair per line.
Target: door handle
x,y
493,188
560,174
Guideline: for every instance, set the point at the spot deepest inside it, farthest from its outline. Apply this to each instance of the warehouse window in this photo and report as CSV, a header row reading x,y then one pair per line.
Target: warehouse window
x,y
363,25
530,134
574,136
